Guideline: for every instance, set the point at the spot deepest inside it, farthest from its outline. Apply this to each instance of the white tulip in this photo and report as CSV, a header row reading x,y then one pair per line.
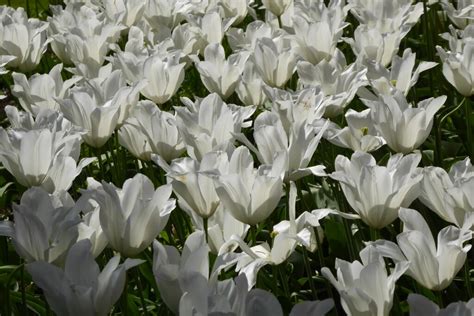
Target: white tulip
x,y
275,60
218,74
211,26
432,266
370,44
458,63
133,216
294,148
41,91
250,87
45,226
316,41
277,7
163,13
126,12
462,15
164,76
151,130
375,192
403,126
359,134
449,195
365,287
246,40
81,288
235,8
43,153
339,83
192,182
209,124
421,306
400,77
251,195
22,38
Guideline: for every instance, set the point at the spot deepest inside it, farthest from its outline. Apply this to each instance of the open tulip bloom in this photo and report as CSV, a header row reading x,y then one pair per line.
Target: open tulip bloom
x,y
433,266
365,287
376,192
81,288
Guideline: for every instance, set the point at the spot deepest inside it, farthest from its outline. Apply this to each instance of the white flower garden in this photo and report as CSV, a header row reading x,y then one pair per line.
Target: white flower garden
x,y
237,157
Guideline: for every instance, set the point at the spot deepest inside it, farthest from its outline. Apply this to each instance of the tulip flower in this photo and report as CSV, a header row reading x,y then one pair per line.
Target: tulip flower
x,y
151,130
250,87
123,11
403,126
211,26
82,37
164,13
386,16
432,266
41,91
277,7
251,195
338,82
90,227
275,60
246,40
44,154
218,74
164,76
316,41
461,15
192,182
421,306
133,216
99,106
457,63
449,195
187,37
209,124
296,146
44,227
371,44
235,8
375,192
22,38
221,226
81,288
364,287
359,134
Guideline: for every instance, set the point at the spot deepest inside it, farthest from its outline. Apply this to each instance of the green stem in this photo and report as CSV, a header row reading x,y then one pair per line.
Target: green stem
x,y
284,281
439,298
374,234
467,278
470,144
205,224
140,291
22,289
310,274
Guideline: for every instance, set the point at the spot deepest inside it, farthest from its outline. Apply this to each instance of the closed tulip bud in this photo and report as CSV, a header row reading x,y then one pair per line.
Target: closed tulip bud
x,y
133,216
375,192
81,288
250,87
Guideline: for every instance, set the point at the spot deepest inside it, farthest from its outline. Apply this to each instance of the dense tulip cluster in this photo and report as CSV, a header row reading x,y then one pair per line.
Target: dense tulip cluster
x,y
244,157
